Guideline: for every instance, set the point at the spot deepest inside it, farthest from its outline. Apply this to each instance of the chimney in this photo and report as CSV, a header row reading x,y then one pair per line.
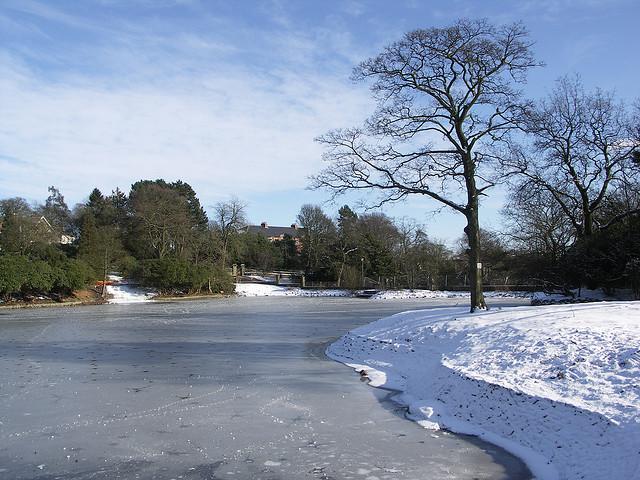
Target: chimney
x,y
294,226
264,225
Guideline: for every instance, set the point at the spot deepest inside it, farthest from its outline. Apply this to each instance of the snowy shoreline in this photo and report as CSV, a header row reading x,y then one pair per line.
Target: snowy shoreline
x,y
267,290
557,386
120,292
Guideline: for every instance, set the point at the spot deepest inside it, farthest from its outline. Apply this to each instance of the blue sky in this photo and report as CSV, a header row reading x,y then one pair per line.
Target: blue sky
x,y
228,96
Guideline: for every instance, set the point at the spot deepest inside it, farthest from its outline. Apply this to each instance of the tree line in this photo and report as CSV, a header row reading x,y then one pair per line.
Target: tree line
x,y
159,235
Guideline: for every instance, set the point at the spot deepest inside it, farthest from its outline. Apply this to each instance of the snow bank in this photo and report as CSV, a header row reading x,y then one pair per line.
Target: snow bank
x,y
265,290
404,294
558,386
262,290
121,292
582,296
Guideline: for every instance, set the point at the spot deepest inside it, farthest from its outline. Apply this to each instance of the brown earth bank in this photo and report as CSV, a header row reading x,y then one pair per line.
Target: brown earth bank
x,y
88,296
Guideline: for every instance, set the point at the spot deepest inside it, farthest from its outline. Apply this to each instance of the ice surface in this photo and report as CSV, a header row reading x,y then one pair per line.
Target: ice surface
x,y
233,388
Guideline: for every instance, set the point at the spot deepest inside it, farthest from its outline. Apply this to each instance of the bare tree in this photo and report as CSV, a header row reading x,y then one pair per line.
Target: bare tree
x,y
318,234
536,224
581,151
634,127
444,96
229,219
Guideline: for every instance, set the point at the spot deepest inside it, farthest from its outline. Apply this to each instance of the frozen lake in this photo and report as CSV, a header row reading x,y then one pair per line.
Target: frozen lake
x,y
220,389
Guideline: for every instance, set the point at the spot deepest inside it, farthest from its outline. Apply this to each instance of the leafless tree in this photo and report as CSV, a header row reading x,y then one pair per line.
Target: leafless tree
x,y
536,224
318,234
444,96
580,153
413,246
229,219
635,131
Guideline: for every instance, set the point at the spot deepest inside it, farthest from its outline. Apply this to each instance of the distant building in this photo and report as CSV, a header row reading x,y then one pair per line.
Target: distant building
x,y
53,235
38,228
278,233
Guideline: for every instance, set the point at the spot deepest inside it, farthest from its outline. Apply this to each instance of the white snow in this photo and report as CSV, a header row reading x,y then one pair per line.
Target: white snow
x,y
404,294
262,290
121,292
265,290
558,386
577,296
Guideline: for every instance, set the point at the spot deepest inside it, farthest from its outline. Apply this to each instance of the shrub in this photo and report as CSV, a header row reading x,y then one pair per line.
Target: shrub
x,y
40,277
13,274
73,275
170,274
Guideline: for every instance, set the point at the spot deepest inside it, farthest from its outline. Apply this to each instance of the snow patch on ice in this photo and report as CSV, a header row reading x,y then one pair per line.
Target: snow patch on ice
x,y
558,386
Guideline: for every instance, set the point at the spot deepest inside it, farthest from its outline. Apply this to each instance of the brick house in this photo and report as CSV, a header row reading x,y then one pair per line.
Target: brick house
x,y
278,233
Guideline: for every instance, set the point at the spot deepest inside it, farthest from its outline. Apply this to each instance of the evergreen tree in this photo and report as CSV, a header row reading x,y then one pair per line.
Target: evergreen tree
x,y
347,244
57,212
88,245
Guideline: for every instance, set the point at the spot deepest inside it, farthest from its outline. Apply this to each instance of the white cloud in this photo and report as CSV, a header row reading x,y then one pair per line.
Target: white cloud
x,y
222,105
224,129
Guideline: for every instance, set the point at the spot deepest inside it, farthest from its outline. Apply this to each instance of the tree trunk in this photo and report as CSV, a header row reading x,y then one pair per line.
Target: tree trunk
x,y
344,260
587,227
225,242
475,266
104,277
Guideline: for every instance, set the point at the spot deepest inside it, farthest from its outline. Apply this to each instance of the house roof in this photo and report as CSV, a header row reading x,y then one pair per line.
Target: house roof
x,y
269,231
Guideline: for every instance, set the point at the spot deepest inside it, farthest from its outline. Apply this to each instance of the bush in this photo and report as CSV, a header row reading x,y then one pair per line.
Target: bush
x,y
127,266
21,275
73,275
171,274
221,281
40,277
13,274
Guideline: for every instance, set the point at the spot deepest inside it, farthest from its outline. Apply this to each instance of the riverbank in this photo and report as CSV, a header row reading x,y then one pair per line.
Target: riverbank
x,y
267,290
79,298
557,386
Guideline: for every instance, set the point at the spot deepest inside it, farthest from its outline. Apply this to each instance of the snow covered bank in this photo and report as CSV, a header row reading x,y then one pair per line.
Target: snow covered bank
x,y
558,386
121,292
579,296
262,290
403,294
